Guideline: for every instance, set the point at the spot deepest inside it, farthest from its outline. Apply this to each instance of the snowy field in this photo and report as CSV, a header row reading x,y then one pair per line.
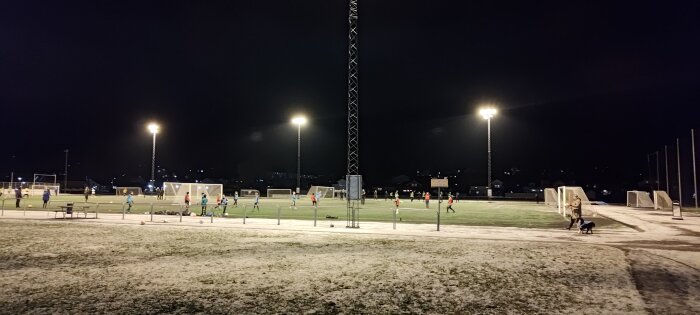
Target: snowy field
x,y
106,265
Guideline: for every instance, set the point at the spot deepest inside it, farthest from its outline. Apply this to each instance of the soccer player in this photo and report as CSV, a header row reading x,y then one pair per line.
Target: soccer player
x,y
397,202
294,200
427,200
257,201
235,199
411,195
204,204
224,202
87,193
187,200
449,204
313,200
129,201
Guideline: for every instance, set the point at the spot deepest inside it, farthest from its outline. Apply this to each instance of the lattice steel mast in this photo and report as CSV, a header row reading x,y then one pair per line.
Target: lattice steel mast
x,y
353,128
353,209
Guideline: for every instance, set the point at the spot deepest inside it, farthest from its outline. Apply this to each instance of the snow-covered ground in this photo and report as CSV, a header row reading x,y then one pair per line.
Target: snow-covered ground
x,y
120,266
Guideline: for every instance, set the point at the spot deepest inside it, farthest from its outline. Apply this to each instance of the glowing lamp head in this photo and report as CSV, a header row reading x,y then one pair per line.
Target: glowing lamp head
x,y
299,120
153,128
488,112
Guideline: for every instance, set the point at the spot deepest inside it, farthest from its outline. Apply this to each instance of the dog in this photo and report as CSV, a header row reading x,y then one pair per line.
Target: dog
x,y
586,227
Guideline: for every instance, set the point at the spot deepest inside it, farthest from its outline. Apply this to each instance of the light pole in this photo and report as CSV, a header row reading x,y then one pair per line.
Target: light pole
x,y
488,113
153,128
299,120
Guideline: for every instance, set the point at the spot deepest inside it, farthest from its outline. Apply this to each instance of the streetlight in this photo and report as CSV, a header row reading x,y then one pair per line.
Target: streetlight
x,y
299,120
153,128
488,113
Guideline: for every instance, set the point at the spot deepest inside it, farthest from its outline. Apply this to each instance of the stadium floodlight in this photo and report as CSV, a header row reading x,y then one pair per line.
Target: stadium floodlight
x,y
487,113
153,128
299,120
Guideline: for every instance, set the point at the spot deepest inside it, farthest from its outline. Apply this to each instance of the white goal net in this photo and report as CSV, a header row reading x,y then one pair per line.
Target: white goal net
x,y
550,197
639,199
177,191
321,191
123,191
249,192
279,193
662,201
38,190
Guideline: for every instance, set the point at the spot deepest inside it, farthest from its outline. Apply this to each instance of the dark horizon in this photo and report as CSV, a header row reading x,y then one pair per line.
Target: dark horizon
x,y
578,87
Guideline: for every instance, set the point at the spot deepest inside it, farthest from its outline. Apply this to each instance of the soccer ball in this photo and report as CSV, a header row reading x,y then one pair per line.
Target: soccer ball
x,y
226,214
143,223
201,221
30,206
165,221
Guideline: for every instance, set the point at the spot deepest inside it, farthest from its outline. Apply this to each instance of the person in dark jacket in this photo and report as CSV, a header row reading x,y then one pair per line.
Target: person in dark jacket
x,y
18,195
45,197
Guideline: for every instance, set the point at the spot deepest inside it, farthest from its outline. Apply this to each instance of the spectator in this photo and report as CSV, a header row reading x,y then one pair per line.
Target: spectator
x,y
45,197
18,196
204,204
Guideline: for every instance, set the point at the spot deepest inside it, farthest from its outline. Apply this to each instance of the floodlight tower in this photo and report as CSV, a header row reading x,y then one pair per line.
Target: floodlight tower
x,y
299,120
353,166
488,113
153,128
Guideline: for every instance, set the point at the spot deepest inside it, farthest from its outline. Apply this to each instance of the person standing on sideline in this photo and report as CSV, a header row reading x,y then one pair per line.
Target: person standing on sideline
x,y
224,202
18,196
235,199
427,200
449,204
187,200
457,196
294,200
257,201
575,212
397,202
87,193
362,201
411,195
45,198
313,200
204,204
129,201
375,194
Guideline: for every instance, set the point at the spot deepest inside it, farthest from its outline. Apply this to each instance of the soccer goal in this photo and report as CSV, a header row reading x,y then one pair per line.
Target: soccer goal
x,y
550,197
321,191
177,191
565,196
662,201
38,189
123,191
249,192
279,193
639,199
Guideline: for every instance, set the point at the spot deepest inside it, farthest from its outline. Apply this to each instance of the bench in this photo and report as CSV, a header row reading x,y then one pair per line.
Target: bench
x,y
69,209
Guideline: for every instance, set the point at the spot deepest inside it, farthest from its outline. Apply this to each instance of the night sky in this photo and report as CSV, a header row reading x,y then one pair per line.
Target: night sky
x,y
580,85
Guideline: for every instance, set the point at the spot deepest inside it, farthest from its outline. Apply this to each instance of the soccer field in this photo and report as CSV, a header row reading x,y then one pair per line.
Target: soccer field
x,y
474,213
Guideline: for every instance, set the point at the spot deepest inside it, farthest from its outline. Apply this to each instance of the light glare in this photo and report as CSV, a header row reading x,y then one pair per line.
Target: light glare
x,y
488,112
299,120
153,128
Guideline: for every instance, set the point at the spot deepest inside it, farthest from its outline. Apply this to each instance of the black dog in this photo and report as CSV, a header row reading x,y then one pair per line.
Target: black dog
x,y
586,227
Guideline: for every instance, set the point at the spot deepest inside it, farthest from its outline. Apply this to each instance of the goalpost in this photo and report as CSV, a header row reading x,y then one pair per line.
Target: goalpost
x,y
321,191
38,189
550,197
177,191
639,199
249,192
279,193
123,191
662,201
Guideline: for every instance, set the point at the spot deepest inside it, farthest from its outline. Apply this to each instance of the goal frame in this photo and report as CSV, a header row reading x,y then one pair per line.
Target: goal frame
x,y
249,193
279,193
177,191
550,197
662,201
327,191
639,199
565,195
118,190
